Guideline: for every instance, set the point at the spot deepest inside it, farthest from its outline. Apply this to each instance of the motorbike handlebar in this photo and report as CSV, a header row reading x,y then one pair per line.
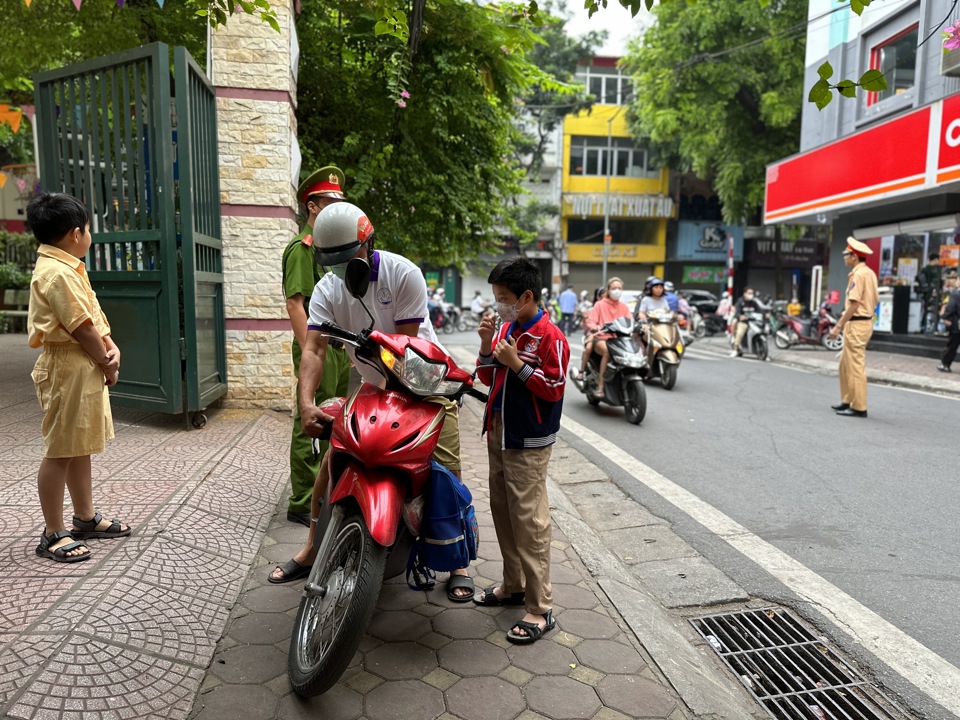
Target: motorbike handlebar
x,y
335,331
478,394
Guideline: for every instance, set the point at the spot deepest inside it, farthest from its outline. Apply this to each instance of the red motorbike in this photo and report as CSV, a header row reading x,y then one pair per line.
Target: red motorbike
x,y
381,440
814,330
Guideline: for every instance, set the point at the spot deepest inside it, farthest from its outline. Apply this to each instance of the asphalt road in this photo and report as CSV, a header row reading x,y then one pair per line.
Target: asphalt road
x,y
869,505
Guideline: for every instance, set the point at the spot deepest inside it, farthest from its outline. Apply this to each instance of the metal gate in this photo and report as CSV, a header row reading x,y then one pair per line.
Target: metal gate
x,y
144,162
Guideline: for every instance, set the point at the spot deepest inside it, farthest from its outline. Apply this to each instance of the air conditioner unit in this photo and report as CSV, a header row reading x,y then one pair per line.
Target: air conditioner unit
x,y
950,63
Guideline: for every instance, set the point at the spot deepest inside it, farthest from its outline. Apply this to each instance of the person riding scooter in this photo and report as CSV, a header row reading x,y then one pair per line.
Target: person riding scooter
x,y
746,304
653,299
605,310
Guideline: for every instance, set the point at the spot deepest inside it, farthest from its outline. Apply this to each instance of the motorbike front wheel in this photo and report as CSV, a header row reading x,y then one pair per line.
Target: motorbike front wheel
x,y
701,332
336,609
668,375
760,348
783,338
636,405
834,344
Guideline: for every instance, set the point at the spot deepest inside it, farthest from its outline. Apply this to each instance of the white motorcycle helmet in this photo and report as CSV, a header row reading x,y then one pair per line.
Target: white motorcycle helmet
x,y
339,232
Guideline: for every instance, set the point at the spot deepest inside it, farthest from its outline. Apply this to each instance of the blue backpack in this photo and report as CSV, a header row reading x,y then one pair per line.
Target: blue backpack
x,y
448,530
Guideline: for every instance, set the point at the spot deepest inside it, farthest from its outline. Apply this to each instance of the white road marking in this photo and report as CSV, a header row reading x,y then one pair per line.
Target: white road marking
x,y
913,661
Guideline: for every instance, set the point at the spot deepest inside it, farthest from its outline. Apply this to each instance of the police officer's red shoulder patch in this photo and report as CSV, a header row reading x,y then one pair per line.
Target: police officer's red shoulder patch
x,y
307,240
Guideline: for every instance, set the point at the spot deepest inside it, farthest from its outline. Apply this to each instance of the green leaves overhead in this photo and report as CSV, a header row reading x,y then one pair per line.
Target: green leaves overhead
x,y
435,174
719,92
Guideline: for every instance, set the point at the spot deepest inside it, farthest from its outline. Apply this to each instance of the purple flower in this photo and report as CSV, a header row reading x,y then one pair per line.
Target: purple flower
x,y
952,35
404,94
401,103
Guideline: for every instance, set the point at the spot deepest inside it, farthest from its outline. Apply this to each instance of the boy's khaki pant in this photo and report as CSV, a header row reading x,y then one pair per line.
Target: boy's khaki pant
x,y
521,516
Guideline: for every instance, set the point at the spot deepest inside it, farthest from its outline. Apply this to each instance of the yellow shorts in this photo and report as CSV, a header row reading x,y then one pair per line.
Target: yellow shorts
x,y
77,420
447,452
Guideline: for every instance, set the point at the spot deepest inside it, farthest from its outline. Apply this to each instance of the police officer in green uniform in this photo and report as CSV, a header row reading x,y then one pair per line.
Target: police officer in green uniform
x,y
300,275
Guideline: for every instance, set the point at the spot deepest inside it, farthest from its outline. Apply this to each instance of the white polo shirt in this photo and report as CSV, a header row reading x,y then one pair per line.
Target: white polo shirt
x,y
397,296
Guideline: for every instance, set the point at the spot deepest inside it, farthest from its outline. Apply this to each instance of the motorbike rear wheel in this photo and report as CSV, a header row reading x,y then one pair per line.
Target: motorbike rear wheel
x,y
835,344
636,406
333,618
784,338
668,375
760,348
701,332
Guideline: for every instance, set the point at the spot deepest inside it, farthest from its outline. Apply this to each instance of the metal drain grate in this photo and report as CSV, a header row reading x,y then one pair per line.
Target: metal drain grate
x,y
792,673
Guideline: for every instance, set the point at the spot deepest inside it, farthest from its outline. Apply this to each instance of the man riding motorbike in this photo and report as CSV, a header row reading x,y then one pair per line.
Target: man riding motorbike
x,y
746,304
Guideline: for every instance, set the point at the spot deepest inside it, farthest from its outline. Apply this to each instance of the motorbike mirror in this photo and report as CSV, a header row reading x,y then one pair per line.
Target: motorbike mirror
x,y
357,278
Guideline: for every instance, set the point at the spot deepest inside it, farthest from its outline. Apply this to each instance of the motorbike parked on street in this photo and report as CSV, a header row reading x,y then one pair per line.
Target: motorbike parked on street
x,y
622,382
664,348
755,338
381,442
814,330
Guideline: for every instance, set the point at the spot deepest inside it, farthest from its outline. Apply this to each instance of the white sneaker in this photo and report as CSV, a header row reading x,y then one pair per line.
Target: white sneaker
x,y
734,353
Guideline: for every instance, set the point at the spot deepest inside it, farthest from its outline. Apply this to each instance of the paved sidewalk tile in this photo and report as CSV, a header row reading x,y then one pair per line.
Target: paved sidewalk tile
x,y
426,657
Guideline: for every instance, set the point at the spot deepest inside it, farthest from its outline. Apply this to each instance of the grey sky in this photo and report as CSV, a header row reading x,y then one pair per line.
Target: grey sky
x,y
615,19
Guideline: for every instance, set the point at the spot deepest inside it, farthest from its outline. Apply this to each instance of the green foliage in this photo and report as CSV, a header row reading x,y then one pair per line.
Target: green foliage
x,y
553,93
12,277
435,176
721,113
821,92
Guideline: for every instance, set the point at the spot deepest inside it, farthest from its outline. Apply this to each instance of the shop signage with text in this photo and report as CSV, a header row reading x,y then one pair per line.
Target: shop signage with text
x,y
911,153
579,252
621,206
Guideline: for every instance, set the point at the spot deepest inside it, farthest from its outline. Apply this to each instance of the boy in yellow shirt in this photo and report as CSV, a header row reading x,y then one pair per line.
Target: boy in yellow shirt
x,y
78,363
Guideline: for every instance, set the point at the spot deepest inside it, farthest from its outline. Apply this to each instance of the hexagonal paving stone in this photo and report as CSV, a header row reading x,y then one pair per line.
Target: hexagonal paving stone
x,y
609,656
461,623
399,625
561,698
484,698
237,701
261,628
636,696
249,664
542,658
472,657
406,699
573,597
273,598
587,624
397,596
560,573
400,661
338,703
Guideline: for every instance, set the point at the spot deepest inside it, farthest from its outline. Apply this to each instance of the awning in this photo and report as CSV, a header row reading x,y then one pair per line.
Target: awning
x,y
912,154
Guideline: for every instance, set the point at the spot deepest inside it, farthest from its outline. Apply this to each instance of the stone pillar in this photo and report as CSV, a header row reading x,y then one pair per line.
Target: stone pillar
x,y
257,124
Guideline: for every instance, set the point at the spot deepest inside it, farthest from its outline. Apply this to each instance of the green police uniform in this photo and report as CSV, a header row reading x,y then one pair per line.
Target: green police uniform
x,y
300,276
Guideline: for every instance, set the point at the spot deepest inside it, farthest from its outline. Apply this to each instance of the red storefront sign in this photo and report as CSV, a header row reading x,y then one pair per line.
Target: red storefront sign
x,y
907,155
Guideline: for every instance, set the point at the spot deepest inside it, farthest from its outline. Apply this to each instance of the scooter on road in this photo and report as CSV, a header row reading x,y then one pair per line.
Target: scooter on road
x,y
808,331
755,338
622,382
381,441
664,348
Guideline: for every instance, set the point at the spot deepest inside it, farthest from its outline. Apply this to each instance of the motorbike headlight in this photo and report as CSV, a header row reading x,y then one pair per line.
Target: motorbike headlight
x,y
680,348
418,374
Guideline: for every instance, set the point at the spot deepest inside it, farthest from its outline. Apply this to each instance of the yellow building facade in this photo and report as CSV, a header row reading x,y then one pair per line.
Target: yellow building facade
x,y
606,174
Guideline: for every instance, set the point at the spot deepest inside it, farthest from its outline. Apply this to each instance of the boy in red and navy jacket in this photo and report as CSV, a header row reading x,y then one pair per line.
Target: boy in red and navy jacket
x,y
524,366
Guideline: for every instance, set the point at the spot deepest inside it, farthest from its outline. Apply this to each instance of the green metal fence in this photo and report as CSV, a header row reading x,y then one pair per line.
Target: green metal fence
x,y
144,161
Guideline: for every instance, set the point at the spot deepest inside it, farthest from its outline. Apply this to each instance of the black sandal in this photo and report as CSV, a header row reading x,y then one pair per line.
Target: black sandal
x,y
60,554
291,569
490,599
533,630
88,528
460,581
